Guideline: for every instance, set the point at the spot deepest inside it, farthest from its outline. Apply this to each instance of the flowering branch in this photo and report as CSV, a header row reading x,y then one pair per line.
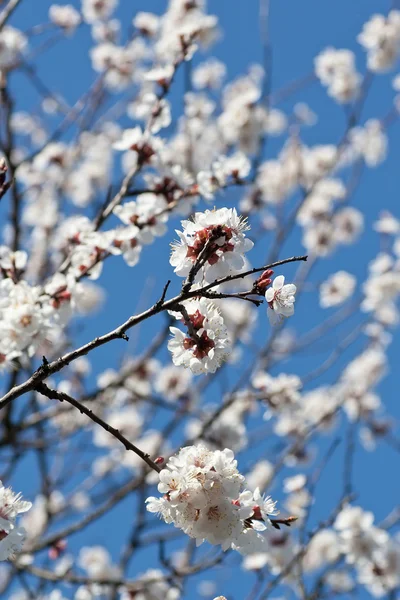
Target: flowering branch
x,y
45,370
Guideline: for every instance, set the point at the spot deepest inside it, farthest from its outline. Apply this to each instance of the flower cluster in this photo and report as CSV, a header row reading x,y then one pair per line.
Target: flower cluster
x,y
217,239
336,70
11,535
155,587
363,545
206,344
203,496
32,315
369,142
145,219
381,39
337,289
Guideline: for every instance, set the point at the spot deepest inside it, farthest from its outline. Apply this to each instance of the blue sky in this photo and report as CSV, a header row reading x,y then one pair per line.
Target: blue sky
x,y
298,31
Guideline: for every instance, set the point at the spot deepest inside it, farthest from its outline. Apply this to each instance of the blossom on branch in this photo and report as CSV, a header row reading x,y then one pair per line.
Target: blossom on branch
x,y
203,496
217,238
281,299
11,535
206,344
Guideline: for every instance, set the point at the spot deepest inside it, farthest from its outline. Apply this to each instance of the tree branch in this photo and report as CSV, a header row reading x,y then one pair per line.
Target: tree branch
x,y
62,396
45,370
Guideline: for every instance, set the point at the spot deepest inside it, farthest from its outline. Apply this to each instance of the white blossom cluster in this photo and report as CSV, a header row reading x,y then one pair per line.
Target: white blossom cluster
x,y
353,551
11,535
336,70
338,288
31,316
374,555
203,495
206,344
380,37
217,237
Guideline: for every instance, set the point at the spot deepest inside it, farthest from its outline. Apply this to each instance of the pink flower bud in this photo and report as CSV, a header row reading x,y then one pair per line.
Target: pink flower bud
x,y
57,549
264,280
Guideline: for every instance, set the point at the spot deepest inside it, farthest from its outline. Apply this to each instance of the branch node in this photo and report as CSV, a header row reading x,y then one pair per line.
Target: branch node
x,y
160,302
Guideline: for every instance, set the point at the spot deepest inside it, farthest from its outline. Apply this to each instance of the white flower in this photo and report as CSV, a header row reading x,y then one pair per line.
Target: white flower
x,y
295,483
206,344
93,10
173,383
127,241
26,319
279,393
142,147
338,288
11,543
369,142
358,537
96,562
148,214
65,17
280,298
12,261
336,70
156,586
147,23
11,536
381,572
130,140
323,549
381,39
209,74
387,223
11,504
12,43
156,112
173,484
223,232
259,507
339,581
161,74
348,224
237,165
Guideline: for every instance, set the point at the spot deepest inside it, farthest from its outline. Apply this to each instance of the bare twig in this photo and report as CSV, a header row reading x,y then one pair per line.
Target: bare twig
x,y
7,12
63,397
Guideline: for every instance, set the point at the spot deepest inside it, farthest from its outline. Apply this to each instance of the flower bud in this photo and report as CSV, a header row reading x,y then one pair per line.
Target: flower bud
x,y
264,280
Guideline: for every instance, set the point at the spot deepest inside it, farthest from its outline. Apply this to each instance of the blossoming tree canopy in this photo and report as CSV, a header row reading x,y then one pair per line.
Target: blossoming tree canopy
x,y
199,300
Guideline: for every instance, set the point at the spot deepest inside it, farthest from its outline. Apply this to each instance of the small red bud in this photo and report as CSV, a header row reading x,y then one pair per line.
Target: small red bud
x,y
57,549
264,280
159,460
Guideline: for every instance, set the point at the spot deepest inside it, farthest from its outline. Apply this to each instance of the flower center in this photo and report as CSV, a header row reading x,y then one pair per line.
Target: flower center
x,y
26,320
201,347
215,232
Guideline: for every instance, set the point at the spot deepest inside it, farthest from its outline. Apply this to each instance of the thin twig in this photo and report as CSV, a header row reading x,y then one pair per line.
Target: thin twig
x,y
63,397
